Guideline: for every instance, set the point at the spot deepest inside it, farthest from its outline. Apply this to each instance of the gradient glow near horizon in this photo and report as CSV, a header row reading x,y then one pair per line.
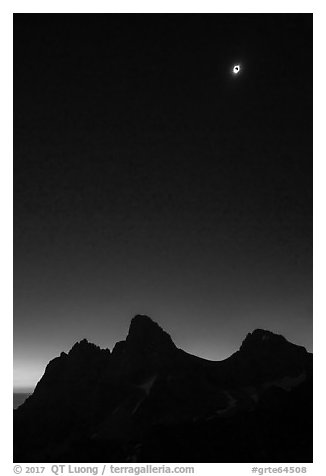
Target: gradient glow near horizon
x,y
148,181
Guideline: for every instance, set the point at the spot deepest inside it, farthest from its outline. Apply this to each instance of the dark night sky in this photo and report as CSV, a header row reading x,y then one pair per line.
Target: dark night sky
x,y
148,179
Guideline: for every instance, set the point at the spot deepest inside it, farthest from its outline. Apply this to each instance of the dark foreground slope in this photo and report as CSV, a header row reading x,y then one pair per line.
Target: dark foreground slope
x,y
148,401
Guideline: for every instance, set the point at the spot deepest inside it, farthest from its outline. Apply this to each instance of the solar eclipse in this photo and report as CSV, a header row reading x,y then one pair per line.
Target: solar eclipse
x,y
236,69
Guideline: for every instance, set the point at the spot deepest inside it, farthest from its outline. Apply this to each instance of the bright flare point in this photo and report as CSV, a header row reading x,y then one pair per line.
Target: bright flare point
x,y
236,69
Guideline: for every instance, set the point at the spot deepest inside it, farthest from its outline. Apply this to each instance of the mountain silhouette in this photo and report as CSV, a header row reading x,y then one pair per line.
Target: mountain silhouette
x,y
149,401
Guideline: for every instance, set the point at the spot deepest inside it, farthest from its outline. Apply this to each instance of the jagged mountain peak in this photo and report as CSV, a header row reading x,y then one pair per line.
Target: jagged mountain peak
x,y
272,353
91,399
86,352
83,346
261,338
144,332
261,335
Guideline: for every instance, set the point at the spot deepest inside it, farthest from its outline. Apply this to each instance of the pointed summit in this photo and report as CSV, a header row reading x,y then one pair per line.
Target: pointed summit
x,y
149,396
261,339
146,334
86,349
146,349
264,355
